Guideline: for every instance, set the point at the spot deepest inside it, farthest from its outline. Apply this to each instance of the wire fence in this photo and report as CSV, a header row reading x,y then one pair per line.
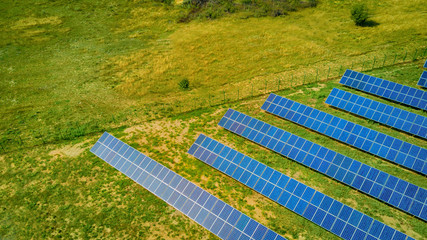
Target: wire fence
x,y
14,140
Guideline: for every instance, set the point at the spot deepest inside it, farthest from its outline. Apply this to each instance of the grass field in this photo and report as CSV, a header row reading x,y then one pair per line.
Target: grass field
x,y
70,71
80,68
64,191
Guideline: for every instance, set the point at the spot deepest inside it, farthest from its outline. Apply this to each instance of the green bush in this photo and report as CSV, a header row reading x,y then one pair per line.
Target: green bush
x,y
359,14
184,84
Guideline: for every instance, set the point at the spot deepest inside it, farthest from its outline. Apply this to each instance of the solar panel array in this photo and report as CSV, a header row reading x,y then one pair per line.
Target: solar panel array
x,y
378,184
379,112
199,205
313,205
394,91
374,142
423,80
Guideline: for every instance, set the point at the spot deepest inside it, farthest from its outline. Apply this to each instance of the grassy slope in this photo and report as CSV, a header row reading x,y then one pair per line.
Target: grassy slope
x,y
65,191
90,65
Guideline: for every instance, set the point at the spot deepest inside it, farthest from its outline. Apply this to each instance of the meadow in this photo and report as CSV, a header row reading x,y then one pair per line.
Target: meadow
x,y
71,71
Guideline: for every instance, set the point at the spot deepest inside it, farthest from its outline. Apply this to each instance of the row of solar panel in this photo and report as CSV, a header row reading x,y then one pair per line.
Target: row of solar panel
x,y
199,205
315,206
378,184
423,80
379,112
374,142
394,91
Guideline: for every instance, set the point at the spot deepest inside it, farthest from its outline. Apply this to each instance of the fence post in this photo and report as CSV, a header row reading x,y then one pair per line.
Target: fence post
x,y
210,105
329,70
415,55
237,94
224,96
385,57
278,83
317,74
352,65
404,57
265,91
395,56
363,64
252,92
373,63
339,71
292,79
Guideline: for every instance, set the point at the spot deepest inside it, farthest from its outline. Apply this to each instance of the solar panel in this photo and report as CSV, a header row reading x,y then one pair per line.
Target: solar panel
x,y
313,205
423,80
363,138
207,210
390,90
378,184
425,64
391,116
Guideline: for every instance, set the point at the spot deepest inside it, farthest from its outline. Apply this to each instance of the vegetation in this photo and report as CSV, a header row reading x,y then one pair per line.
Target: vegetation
x,y
184,84
64,191
71,71
359,14
212,9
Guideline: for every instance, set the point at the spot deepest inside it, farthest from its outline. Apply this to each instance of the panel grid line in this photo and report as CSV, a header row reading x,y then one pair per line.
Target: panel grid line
x,y
362,177
395,150
423,80
390,90
194,202
388,115
313,205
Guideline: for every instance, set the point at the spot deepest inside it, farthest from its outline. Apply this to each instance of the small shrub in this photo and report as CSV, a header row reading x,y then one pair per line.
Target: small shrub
x,y
184,84
359,14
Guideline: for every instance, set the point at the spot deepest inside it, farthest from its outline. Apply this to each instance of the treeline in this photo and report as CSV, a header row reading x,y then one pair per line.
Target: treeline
x,y
212,9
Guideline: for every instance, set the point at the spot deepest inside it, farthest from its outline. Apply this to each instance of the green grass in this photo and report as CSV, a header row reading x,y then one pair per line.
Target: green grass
x,y
76,69
62,190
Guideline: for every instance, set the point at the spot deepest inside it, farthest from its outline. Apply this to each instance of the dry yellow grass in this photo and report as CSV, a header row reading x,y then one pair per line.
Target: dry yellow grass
x,y
233,53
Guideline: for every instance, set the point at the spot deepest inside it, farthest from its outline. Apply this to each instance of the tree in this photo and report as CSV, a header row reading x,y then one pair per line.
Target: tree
x,y
359,14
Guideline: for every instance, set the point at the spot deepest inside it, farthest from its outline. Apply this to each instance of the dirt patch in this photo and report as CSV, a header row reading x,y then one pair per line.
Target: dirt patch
x,y
160,128
318,88
351,202
297,92
69,150
394,223
32,21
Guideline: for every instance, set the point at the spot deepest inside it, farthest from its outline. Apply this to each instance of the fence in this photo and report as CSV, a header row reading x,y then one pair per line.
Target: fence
x,y
13,139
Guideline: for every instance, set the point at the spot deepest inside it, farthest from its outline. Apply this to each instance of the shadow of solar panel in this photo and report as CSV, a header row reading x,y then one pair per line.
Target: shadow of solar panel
x,y
390,90
371,181
405,154
391,116
423,80
313,205
207,210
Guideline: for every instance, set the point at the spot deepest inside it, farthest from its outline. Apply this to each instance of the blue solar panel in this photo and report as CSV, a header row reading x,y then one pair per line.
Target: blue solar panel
x,y
374,142
207,210
379,112
423,80
390,90
313,205
371,181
